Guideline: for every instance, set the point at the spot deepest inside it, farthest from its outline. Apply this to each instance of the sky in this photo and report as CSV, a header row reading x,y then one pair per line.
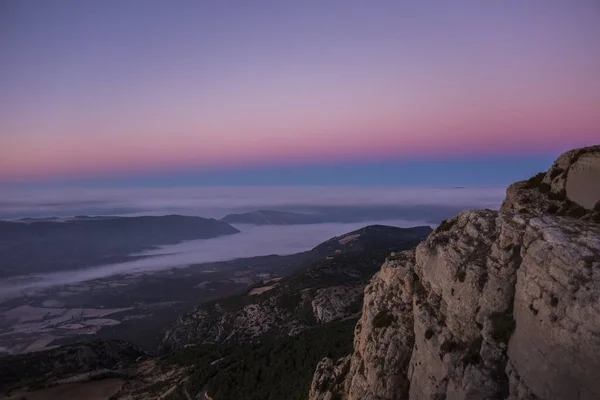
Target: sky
x,y
144,92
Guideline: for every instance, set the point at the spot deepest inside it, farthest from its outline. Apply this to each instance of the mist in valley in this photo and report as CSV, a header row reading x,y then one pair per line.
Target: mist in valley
x,y
401,207
216,202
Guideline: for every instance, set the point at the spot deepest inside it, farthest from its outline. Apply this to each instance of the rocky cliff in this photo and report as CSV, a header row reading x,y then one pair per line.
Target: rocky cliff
x,y
492,305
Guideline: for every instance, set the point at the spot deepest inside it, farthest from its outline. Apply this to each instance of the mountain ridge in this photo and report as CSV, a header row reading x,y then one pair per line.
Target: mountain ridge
x,y
350,213
33,246
273,217
325,290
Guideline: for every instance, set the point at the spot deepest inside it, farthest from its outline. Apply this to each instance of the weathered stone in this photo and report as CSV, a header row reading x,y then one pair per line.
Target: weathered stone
x,y
384,334
556,344
490,306
329,378
583,180
335,302
571,187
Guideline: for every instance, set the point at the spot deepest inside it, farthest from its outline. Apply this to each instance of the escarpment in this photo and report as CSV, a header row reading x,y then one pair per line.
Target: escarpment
x,y
492,305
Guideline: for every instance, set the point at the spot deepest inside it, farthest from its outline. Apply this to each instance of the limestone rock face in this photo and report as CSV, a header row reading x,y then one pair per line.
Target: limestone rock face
x,y
581,173
492,305
336,302
556,343
382,342
329,378
577,172
571,187
379,370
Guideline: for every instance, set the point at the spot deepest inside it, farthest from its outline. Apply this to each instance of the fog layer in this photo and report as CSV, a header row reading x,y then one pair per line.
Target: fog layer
x,y
251,241
216,202
397,206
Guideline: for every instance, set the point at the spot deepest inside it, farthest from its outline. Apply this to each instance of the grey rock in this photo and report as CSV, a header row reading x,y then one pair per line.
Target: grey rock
x,y
336,302
571,187
492,305
583,180
383,336
556,344
329,378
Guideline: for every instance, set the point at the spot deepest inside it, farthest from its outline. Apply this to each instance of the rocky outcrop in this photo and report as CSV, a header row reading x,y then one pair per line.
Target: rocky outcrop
x,y
330,290
336,302
556,344
221,323
492,305
569,188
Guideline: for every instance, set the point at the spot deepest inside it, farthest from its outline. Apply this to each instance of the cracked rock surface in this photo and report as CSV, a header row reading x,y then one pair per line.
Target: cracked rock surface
x,y
492,305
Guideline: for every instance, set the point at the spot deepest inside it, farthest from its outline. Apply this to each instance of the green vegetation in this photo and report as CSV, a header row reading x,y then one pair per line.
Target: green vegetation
x,y
577,211
561,195
472,355
572,209
567,207
556,172
446,225
275,369
375,238
544,188
35,370
346,268
449,346
289,302
535,181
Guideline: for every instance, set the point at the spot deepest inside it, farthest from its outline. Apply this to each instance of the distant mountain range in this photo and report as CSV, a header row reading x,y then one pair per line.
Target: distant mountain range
x,y
273,217
433,214
37,246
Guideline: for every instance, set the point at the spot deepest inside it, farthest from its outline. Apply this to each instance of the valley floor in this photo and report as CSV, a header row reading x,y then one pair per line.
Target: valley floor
x,y
121,306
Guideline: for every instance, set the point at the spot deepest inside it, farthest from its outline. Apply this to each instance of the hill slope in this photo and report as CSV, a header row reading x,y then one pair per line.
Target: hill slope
x,y
82,361
50,245
326,290
302,318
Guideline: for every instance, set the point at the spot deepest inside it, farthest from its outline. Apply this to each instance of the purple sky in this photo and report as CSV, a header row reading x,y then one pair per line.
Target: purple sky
x,y
106,89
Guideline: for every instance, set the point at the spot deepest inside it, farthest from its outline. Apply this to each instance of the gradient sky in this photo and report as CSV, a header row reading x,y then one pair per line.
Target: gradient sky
x,y
285,92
